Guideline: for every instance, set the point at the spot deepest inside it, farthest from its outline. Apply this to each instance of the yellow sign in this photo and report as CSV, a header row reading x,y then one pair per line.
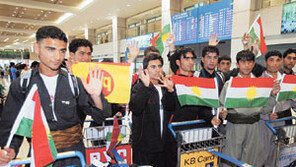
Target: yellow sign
x,y
116,82
199,159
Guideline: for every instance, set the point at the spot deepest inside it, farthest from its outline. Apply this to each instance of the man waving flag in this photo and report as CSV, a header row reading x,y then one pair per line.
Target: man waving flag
x,y
31,122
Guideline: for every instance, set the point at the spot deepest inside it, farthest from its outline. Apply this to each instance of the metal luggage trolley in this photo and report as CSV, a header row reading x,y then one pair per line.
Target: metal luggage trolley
x,y
99,133
285,140
193,144
96,140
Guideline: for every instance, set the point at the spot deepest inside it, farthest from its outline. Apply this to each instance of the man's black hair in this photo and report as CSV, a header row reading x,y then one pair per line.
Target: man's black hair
x,y
76,43
245,55
182,51
150,57
50,32
209,49
224,57
273,53
289,51
34,64
150,49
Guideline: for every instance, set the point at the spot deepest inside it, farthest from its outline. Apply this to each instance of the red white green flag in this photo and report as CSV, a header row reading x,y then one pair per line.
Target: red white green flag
x,y
159,40
196,91
288,88
256,32
248,92
31,122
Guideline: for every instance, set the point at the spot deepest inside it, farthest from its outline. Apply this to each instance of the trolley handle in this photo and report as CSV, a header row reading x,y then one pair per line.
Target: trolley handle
x,y
170,126
63,155
268,123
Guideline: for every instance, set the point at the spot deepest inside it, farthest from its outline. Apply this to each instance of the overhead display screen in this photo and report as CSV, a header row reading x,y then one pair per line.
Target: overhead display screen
x,y
185,27
288,18
197,25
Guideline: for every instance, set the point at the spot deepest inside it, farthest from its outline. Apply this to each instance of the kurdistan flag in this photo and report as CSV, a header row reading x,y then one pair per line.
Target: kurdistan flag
x,y
256,32
159,40
196,91
31,122
288,88
116,82
248,92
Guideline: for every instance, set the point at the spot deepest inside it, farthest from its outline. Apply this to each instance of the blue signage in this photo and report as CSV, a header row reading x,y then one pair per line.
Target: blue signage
x,y
185,27
197,25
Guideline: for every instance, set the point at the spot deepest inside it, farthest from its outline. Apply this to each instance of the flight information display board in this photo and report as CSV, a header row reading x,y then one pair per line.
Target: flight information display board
x,y
197,25
185,27
215,18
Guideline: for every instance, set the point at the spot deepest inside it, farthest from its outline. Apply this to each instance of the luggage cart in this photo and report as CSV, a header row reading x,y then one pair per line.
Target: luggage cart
x,y
63,155
200,146
96,140
285,141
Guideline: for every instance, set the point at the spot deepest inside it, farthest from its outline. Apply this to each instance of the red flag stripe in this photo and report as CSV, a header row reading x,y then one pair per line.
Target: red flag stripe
x,y
263,47
194,81
290,79
153,40
249,82
114,136
42,152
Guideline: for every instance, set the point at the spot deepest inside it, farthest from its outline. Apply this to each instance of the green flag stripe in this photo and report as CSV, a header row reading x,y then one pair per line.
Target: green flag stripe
x,y
286,95
25,127
243,103
52,147
194,100
166,29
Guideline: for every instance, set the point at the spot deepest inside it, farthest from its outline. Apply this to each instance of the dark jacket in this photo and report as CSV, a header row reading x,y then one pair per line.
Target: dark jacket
x,y
67,107
191,112
144,104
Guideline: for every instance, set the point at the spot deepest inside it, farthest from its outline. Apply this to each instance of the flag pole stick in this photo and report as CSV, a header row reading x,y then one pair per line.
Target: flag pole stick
x,y
277,96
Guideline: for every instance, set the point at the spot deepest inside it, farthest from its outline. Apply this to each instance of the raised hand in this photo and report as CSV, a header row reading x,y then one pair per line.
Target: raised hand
x,y
246,40
276,87
145,78
170,42
167,83
213,40
255,46
95,85
134,51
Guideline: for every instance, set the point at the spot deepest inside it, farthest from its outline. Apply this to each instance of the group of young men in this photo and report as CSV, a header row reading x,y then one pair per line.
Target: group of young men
x,y
153,100
154,107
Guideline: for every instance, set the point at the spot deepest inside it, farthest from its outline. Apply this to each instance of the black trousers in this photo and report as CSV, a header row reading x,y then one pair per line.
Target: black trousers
x,y
155,159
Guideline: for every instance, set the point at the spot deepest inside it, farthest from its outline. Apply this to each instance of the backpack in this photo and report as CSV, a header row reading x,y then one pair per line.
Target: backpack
x,y
25,79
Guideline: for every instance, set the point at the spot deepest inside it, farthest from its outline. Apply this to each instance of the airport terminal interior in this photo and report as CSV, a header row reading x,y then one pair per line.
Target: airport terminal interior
x,y
113,26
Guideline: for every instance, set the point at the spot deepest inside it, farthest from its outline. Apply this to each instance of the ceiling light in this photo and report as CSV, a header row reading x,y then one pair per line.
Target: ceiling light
x,y
128,5
41,11
22,12
6,39
24,8
16,7
26,40
12,15
84,4
61,1
32,36
16,40
64,17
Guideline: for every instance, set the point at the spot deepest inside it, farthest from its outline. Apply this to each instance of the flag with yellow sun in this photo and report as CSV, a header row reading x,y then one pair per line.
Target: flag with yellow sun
x,y
248,92
196,91
288,88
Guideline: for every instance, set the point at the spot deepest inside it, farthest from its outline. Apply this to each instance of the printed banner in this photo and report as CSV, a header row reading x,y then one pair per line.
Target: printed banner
x,y
116,82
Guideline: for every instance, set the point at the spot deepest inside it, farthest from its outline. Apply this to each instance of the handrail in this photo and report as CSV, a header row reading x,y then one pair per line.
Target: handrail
x,y
62,155
170,126
268,123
